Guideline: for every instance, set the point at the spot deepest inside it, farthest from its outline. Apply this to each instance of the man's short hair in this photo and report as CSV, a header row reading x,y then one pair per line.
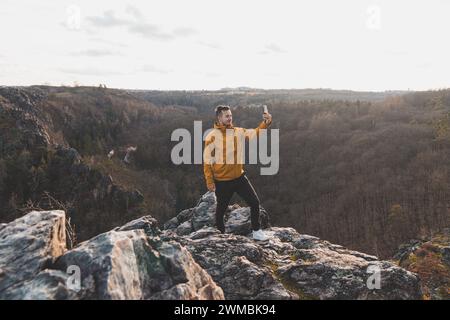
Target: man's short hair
x,y
221,108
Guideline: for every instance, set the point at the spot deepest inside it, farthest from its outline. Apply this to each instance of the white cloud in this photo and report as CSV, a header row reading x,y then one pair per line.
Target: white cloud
x,y
137,25
108,19
153,69
96,53
210,45
135,12
272,48
91,71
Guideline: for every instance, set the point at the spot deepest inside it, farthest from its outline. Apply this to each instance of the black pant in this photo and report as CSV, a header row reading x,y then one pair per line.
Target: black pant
x,y
224,192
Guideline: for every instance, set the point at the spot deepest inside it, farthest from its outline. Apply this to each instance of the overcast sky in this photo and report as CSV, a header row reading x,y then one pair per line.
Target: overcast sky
x,y
180,44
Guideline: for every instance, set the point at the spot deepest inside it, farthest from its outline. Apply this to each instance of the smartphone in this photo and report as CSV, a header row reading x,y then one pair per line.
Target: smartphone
x,y
265,109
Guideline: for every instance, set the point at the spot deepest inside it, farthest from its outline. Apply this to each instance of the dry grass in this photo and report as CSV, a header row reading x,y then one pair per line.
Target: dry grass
x,y
427,262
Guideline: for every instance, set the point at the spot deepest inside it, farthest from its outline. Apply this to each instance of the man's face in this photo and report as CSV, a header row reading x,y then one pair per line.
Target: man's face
x,y
225,117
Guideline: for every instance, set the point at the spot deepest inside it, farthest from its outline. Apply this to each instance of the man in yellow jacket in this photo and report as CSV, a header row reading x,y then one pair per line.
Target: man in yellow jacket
x,y
224,170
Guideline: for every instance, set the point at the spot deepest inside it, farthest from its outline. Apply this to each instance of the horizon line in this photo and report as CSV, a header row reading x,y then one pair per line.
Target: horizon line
x,y
237,88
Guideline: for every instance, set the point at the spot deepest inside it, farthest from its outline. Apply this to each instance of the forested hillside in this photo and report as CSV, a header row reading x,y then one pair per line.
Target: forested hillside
x,y
365,170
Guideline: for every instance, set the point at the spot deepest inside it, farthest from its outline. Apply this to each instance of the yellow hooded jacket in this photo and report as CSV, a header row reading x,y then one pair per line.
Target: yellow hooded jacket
x,y
225,171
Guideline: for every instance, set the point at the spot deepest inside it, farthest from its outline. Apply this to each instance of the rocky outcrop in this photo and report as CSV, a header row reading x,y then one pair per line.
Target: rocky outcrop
x,y
130,265
237,219
29,245
139,261
38,157
93,189
130,262
287,266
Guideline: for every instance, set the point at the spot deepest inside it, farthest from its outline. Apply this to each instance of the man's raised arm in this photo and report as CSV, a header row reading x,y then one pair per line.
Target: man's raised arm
x,y
252,133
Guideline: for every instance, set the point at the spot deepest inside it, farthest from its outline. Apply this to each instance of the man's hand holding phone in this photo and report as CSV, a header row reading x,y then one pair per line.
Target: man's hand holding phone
x,y
267,116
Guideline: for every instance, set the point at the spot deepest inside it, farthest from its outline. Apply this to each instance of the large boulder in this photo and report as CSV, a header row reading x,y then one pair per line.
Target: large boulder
x,y
46,285
130,262
130,265
236,218
28,245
